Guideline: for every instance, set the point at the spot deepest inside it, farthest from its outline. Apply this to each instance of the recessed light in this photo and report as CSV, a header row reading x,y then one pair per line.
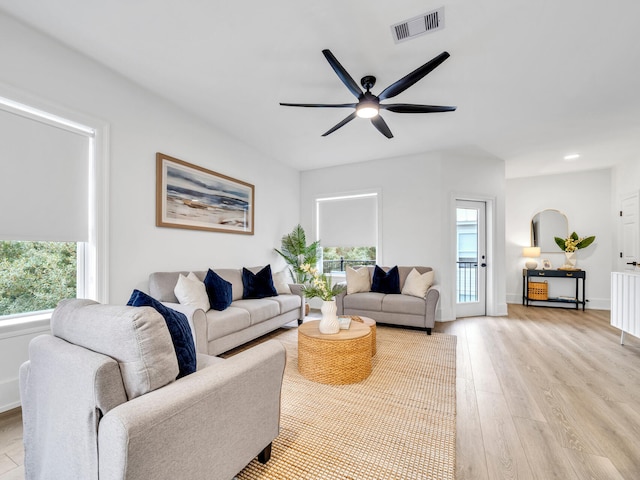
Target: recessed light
x,y
572,156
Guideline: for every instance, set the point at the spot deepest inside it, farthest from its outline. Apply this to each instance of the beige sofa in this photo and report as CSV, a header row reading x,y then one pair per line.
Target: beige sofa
x,y
395,309
100,400
216,332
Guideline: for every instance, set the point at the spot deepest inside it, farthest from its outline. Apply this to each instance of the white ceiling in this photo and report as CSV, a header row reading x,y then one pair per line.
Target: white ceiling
x,y
533,81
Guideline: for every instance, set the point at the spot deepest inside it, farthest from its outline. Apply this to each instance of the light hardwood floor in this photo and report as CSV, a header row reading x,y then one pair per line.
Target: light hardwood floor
x,y
543,393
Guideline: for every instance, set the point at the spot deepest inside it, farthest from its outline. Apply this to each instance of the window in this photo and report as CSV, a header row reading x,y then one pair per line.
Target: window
x,y
467,233
53,221
35,276
347,227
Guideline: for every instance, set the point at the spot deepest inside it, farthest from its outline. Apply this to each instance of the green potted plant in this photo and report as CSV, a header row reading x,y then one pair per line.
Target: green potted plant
x,y
296,253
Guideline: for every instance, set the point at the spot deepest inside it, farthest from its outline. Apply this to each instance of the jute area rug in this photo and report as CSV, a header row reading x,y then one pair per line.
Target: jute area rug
x,y
399,423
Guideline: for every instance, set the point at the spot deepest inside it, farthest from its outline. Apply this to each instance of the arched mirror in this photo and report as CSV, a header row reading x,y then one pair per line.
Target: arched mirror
x,y
546,225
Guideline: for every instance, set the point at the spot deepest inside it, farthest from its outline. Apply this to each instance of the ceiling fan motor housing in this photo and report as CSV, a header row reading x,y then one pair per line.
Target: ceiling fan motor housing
x,y
368,81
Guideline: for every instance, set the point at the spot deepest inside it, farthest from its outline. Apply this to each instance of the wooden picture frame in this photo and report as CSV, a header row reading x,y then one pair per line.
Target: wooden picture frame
x,y
189,196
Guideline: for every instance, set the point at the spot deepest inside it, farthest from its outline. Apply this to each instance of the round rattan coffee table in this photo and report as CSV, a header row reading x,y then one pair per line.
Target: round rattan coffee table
x,y
372,324
336,359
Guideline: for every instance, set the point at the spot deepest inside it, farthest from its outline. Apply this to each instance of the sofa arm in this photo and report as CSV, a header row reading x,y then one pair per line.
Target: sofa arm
x,y
340,299
298,289
197,322
433,295
209,424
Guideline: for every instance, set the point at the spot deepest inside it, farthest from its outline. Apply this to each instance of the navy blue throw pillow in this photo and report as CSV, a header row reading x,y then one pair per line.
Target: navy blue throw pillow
x,y
258,285
219,291
179,329
388,282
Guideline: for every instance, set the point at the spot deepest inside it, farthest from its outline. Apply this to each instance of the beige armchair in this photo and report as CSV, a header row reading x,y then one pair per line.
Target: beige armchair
x,y
100,400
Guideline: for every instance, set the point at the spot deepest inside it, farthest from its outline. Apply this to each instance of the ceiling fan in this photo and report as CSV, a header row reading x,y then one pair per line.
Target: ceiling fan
x,y
369,105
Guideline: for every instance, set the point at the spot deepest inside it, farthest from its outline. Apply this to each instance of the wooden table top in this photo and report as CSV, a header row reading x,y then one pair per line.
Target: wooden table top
x,y
356,330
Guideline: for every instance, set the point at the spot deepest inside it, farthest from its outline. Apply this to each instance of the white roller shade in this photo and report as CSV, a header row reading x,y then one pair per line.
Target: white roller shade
x,y
44,180
348,221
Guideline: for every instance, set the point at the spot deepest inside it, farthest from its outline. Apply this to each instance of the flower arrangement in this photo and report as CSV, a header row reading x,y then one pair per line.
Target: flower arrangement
x,y
573,242
319,285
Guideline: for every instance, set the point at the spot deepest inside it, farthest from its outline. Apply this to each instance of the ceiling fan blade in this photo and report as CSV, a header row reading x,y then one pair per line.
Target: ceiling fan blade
x,y
412,108
341,124
382,126
413,77
349,82
320,105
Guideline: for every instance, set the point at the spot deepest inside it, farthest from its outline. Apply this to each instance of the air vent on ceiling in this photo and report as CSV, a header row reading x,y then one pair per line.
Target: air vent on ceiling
x,y
416,26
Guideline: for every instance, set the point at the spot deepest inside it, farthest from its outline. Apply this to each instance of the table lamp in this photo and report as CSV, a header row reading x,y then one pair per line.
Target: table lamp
x,y
531,252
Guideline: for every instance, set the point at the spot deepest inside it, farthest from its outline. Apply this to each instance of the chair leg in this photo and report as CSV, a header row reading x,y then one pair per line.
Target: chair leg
x,y
428,331
265,454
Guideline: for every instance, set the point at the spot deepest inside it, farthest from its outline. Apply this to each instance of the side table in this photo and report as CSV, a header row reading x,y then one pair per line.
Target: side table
x,y
576,275
335,359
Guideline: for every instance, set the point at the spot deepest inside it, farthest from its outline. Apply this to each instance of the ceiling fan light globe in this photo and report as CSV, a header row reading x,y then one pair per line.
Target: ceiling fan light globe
x,y
366,111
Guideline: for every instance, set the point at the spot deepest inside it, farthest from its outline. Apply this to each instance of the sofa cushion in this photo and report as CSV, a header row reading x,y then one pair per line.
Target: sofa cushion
x,y
137,338
258,285
417,284
288,302
364,301
281,281
219,291
191,291
179,329
403,304
260,309
234,277
385,282
358,280
222,323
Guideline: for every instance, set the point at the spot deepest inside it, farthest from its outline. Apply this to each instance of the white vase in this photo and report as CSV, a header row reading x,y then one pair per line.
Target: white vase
x,y
570,260
329,322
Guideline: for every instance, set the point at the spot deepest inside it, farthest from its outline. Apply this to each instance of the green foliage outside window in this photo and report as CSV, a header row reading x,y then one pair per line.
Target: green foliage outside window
x,y
36,275
352,256
349,253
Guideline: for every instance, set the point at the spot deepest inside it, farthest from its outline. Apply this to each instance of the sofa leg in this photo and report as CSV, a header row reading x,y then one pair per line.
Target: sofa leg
x,y
428,331
265,454
299,321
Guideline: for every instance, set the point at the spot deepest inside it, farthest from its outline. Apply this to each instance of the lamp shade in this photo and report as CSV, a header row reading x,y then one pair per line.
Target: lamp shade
x,y
531,252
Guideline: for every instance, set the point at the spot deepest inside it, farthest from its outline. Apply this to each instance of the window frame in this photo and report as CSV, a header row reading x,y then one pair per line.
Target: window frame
x,y
92,256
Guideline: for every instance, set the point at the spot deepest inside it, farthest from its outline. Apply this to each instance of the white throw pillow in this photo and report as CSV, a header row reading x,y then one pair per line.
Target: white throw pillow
x,y
358,280
281,282
191,291
417,285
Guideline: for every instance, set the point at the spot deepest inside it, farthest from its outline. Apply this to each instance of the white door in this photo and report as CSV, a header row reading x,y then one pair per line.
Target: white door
x,y
471,260
630,232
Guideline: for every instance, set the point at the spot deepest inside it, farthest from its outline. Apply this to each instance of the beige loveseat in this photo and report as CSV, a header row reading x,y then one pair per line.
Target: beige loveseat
x,y
100,400
216,332
396,309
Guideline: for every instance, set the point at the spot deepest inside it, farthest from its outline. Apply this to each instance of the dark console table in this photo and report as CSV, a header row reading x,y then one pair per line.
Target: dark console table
x,y
576,275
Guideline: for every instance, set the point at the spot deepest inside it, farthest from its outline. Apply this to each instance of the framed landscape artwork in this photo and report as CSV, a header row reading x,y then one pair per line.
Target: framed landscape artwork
x,y
189,196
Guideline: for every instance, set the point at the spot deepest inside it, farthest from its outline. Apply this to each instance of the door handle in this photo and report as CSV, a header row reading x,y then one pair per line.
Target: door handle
x,y
632,263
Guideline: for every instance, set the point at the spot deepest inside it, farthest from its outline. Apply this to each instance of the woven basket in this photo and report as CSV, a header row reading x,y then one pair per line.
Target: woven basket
x,y
538,291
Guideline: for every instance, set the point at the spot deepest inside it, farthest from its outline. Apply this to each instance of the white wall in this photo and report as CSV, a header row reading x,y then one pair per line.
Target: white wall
x,y
142,124
585,198
418,210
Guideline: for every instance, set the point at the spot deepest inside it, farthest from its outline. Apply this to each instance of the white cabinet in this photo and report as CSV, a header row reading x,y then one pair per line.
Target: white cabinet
x,y
625,303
